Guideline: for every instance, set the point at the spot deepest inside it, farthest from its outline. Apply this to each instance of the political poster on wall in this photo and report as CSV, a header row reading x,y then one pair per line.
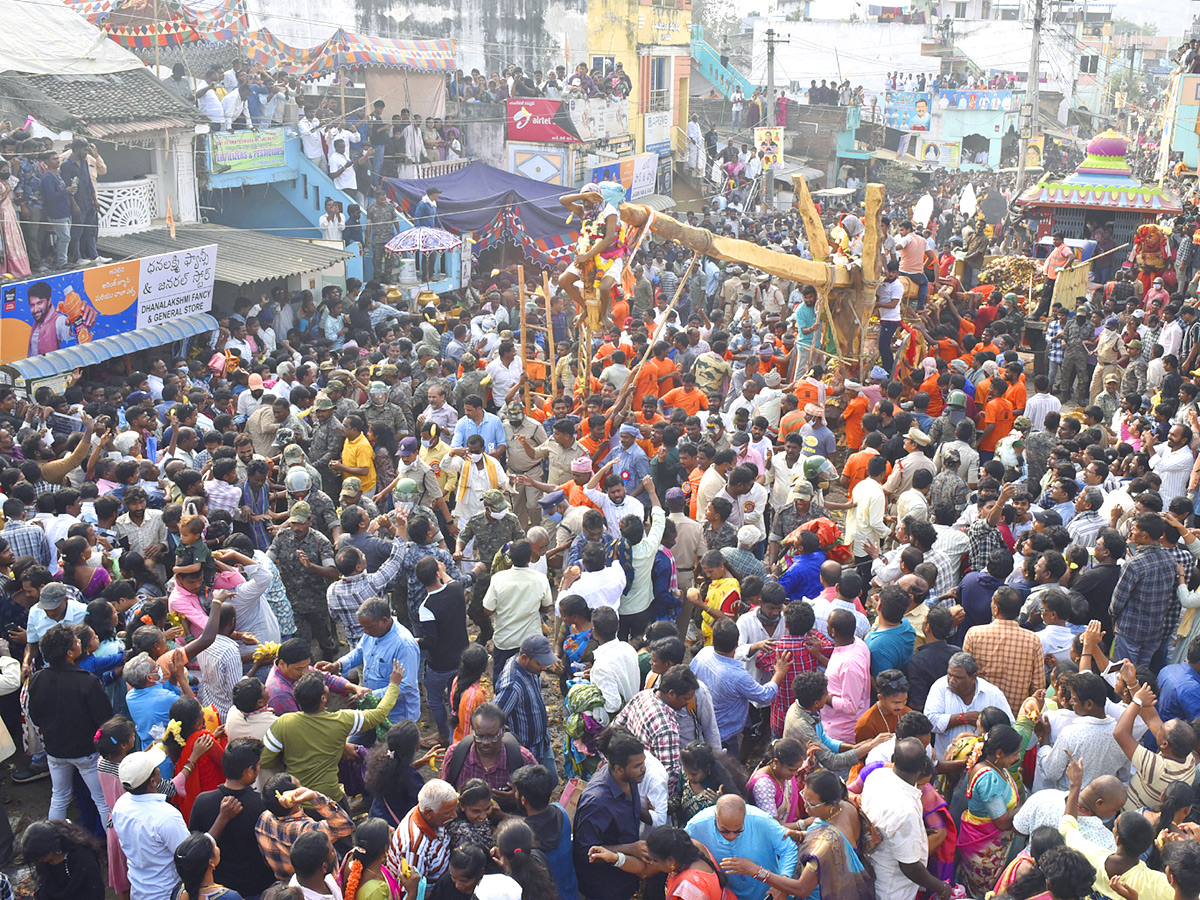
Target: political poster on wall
x,y
770,142
566,121
42,315
907,110
987,100
944,153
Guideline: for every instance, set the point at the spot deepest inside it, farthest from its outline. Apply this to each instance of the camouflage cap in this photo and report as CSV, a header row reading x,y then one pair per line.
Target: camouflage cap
x,y
300,512
352,486
495,499
292,453
323,401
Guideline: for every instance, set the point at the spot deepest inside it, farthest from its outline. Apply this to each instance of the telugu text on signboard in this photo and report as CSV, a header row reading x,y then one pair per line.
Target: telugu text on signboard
x,y
41,315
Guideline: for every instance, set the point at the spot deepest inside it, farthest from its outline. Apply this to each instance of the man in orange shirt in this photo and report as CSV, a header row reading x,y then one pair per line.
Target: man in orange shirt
x,y
688,398
704,458
658,373
997,420
645,420
1015,394
792,417
855,469
581,474
930,387
852,418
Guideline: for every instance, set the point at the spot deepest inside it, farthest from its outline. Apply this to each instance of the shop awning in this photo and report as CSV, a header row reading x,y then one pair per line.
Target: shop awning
x,y
657,202
243,256
34,367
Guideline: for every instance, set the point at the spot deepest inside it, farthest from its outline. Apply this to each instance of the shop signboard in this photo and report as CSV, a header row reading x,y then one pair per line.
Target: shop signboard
x,y
538,119
657,132
41,315
636,173
242,151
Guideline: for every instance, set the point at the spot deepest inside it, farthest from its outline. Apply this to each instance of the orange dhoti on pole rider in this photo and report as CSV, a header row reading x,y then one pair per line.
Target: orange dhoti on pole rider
x,y
601,249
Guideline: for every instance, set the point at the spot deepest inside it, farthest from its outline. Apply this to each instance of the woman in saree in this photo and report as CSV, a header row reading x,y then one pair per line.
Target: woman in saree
x,y
13,257
992,796
184,729
1022,878
692,873
830,863
774,787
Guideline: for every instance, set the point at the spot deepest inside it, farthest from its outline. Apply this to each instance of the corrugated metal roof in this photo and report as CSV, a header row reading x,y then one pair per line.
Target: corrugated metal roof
x,y
99,105
95,352
243,256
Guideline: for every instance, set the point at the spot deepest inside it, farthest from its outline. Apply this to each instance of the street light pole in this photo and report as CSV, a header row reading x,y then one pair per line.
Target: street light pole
x,y
1029,120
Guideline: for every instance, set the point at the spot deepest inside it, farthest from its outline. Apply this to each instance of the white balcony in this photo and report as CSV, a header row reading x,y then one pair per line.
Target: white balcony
x,y
126,207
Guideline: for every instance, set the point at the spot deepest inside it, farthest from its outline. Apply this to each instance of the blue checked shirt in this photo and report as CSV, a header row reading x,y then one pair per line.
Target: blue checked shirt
x,y
1055,352
519,694
29,540
1150,578
346,596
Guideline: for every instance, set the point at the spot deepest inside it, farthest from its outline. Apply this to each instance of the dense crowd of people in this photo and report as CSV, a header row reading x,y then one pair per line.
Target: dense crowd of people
x,y
361,599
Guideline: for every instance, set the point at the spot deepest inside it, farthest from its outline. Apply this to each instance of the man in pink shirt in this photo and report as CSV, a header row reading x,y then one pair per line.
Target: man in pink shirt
x,y
849,677
913,250
1156,292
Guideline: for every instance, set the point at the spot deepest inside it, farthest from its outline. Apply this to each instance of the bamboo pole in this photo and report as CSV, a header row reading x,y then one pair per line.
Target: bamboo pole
x,y
654,337
524,332
553,379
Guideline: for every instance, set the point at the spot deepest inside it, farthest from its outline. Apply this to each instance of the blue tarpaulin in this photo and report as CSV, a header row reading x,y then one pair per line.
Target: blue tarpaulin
x,y
496,205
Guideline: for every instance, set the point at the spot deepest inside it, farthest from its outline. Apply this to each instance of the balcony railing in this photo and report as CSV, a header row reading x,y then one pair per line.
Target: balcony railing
x,y
126,207
442,167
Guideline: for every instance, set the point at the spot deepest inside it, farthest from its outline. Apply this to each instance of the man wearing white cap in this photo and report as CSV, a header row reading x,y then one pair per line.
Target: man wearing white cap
x,y
148,827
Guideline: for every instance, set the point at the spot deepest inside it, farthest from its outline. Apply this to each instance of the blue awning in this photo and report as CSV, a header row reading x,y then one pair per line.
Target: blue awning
x,y
81,355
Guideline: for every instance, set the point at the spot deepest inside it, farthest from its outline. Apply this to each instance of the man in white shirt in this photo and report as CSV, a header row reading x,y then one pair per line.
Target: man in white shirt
x,y
236,109
341,169
613,501
1173,462
309,127
149,828
956,699
1041,402
893,805
615,664
208,100
888,295
865,522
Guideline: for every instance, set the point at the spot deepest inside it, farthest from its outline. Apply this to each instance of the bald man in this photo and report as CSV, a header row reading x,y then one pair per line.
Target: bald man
x,y
1099,802
731,828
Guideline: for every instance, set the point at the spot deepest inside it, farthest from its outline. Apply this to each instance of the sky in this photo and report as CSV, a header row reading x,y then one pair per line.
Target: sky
x,y
1173,17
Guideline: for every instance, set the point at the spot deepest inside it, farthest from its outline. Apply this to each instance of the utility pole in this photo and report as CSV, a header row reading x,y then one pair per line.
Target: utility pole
x,y
1029,115
768,175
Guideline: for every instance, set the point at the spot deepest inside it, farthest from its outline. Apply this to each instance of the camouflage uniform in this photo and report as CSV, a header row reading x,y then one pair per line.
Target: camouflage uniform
x,y
468,384
324,513
325,446
1074,370
490,536
306,590
421,396
388,413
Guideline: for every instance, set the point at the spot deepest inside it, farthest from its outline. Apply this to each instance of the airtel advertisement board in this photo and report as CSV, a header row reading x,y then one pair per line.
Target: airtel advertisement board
x,y
566,121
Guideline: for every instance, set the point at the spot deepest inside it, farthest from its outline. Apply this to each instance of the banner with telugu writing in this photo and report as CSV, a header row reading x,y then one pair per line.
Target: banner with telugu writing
x,y
41,315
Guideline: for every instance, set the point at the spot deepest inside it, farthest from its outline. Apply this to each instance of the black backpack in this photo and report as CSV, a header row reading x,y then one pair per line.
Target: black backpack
x,y
512,752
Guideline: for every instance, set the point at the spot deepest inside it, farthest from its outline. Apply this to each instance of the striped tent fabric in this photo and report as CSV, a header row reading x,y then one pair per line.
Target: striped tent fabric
x,y
346,50
139,24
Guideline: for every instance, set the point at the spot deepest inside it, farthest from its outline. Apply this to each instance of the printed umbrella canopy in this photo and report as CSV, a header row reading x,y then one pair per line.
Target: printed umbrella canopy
x,y
424,240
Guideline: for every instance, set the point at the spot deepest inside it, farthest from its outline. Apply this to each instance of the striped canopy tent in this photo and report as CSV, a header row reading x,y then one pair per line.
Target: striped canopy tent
x,y
268,51
143,24
346,50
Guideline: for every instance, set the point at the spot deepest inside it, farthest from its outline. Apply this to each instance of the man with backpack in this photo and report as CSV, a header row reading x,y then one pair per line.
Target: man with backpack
x,y
490,752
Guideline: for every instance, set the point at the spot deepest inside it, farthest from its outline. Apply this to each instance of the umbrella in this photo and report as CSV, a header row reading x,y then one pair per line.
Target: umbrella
x,y
424,240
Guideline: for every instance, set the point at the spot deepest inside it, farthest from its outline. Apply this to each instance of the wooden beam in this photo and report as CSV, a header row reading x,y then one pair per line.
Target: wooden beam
x,y
814,228
700,240
873,234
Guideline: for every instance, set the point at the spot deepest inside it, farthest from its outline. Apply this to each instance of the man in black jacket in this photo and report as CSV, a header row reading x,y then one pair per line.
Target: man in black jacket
x,y
69,737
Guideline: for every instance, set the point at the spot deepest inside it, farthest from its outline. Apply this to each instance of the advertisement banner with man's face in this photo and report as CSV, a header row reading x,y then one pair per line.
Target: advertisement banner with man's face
x,y
908,110
566,121
987,100
42,315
